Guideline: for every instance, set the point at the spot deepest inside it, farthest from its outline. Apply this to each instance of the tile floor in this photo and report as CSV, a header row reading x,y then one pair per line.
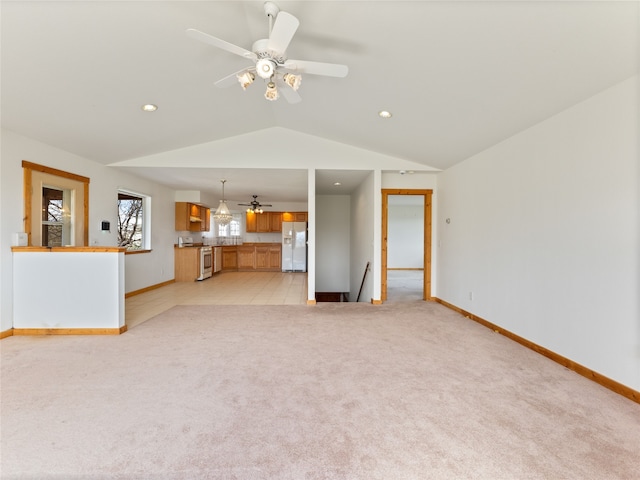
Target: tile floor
x,y
228,288
251,288
404,285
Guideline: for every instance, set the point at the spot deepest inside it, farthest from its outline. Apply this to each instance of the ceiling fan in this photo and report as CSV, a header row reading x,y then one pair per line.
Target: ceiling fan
x,y
255,206
270,58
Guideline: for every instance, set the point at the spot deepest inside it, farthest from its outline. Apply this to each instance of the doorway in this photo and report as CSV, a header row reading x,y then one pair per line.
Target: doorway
x,y
387,196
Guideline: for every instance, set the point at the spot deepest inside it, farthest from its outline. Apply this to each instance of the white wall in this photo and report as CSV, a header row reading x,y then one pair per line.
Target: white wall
x,y
333,224
405,236
544,230
142,270
362,236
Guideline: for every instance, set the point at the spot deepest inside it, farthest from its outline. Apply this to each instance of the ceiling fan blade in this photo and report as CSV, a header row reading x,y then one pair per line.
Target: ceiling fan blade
x,y
229,80
283,30
232,79
217,42
289,94
317,68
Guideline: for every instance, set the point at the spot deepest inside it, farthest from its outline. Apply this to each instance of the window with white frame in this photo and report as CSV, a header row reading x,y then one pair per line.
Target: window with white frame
x,y
232,229
133,220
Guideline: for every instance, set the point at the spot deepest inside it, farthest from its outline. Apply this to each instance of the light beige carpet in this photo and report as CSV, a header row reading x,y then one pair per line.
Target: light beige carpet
x,y
335,391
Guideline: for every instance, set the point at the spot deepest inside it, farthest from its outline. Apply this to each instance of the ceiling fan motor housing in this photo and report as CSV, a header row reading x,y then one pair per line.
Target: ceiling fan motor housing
x,y
260,48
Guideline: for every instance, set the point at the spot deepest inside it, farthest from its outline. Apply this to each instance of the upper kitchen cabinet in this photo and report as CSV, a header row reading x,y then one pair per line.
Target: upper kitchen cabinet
x,y
294,216
192,217
275,220
272,221
252,222
264,222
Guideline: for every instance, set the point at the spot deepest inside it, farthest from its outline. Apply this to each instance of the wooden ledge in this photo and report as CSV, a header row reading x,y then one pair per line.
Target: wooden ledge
x,y
69,249
69,331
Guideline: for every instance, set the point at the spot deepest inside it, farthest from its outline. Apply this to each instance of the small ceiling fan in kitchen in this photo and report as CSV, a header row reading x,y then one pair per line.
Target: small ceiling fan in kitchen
x,y
255,206
270,60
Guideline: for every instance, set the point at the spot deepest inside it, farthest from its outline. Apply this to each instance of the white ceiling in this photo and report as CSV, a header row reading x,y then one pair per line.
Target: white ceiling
x,y
458,76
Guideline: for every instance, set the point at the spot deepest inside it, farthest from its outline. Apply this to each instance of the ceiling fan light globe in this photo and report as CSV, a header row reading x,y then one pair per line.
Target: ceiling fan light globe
x,y
272,92
292,80
246,79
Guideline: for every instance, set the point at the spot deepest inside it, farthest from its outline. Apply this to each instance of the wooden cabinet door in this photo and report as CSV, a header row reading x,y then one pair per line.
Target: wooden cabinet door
x,y
275,257
276,221
186,264
294,217
263,222
205,214
229,258
262,258
252,224
246,258
182,216
195,217
288,217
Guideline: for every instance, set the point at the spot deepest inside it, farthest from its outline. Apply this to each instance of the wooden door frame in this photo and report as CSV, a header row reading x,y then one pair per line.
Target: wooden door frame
x,y
427,194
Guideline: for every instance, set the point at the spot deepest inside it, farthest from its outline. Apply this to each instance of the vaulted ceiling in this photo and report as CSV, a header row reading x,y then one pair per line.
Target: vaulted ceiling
x,y
457,76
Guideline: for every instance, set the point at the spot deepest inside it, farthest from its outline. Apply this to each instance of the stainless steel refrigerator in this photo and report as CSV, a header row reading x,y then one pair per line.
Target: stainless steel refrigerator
x,y
294,246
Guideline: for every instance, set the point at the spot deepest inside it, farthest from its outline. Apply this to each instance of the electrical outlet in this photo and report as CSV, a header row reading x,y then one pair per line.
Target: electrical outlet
x,y
470,295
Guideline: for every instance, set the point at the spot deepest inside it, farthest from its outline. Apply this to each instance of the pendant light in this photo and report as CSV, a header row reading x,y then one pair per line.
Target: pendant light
x,y
223,215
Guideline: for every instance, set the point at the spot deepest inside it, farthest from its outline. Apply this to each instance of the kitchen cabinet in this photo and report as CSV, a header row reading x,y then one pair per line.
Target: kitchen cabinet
x,y
262,257
192,217
275,220
255,257
186,264
229,258
264,222
206,219
275,257
294,216
252,222
246,257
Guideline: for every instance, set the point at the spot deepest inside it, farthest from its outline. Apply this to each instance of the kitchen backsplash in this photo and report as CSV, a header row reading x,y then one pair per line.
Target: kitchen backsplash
x,y
273,237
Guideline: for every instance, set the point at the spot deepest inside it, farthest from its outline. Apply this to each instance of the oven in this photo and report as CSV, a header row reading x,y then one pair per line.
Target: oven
x,y
206,263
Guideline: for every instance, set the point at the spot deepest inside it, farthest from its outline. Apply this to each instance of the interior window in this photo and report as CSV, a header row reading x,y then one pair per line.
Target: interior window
x,y
57,212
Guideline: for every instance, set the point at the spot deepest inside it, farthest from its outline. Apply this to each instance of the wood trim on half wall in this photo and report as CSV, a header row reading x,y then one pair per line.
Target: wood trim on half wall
x,y
69,331
606,382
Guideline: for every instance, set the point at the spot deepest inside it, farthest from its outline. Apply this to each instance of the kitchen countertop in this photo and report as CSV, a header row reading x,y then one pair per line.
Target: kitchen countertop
x,y
245,244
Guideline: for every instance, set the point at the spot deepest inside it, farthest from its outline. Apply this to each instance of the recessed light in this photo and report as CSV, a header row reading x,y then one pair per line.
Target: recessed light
x,y
149,107
384,114
336,184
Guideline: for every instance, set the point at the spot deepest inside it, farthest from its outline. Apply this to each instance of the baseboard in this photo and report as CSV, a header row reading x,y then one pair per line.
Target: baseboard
x,y
6,333
376,302
311,302
606,382
69,331
147,289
